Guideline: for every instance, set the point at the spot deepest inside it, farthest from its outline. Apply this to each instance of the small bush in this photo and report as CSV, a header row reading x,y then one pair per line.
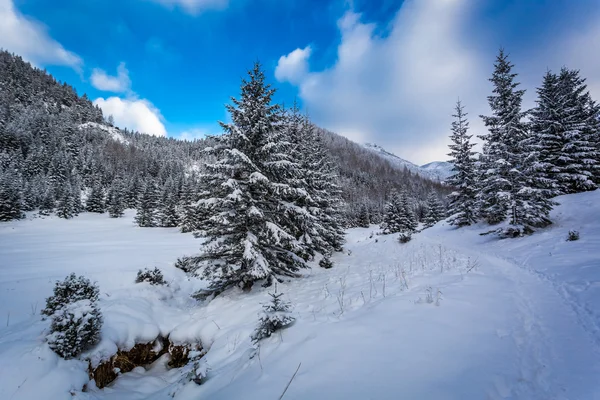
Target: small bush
x,y
326,263
71,290
573,235
275,317
75,328
76,319
404,237
154,277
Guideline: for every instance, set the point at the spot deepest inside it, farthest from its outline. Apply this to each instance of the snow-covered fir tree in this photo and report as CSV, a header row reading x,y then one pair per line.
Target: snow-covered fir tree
x,y
364,219
392,215
248,239
502,172
96,201
313,180
115,202
577,160
10,195
407,220
168,211
435,210
464,180
66,204
48,203
147,209
276,316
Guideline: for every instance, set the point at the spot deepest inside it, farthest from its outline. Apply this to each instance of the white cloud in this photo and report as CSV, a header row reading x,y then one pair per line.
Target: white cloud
x,y
294,66
120,83
195,7
399,90
136,114
29,39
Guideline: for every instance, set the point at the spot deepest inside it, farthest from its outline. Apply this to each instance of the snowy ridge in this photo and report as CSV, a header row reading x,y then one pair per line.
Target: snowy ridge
x,y
441,169
113,132
445,304
437,170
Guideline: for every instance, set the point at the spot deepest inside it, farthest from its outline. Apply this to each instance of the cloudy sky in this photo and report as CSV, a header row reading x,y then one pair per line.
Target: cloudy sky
x,y
380,71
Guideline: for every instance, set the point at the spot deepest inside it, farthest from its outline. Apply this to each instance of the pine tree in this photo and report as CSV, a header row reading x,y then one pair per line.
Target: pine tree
x,y
577,161
168,214
464,180
247,241
10,196
392,217
48,203
276,316
148,206
95,201
435,210
363,217
407,221
502,157
66,204
188,209
115,202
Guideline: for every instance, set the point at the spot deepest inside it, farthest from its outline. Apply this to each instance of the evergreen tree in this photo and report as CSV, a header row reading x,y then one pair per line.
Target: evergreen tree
x,y
276,316
247,241
134,191
502,175
168,214
392,217
577,162
435,210
10,196
115,202
95,201
363,217
147,206
463,198
48,203
407,221
66,204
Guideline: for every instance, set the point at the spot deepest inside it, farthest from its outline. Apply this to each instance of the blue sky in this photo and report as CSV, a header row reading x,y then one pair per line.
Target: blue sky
x,y
380,71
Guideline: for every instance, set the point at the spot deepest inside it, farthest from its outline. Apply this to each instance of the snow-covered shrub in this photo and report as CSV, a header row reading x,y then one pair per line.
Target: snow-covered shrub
x,y
573,235
75,328
154,277
189,265
71,290
326,263
404,237
276,316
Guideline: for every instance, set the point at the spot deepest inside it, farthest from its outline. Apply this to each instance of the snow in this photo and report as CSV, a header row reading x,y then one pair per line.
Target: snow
x,y
449,315
113,132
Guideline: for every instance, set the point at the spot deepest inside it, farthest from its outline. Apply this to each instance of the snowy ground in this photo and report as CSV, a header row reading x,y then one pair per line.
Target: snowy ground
x,y
510,319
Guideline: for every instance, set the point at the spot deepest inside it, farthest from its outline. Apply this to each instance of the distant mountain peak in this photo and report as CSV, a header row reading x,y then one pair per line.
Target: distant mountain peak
x,y
436,170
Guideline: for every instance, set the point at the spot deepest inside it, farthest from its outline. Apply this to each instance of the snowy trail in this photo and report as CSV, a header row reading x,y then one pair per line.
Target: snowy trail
x,y
558,353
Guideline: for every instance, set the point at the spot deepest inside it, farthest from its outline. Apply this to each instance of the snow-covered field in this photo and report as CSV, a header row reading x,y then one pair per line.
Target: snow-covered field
x,y
510,319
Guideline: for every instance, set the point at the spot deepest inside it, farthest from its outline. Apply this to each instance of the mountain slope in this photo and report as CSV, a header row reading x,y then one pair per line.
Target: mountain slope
x,y
440,169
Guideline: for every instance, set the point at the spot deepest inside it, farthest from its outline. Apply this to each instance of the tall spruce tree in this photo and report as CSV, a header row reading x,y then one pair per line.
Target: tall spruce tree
x,y
363,219
464,180
248,240
577,162
95,201
435,210
147,208
66,203
391,217
10,196
115,202
407,220
502,175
